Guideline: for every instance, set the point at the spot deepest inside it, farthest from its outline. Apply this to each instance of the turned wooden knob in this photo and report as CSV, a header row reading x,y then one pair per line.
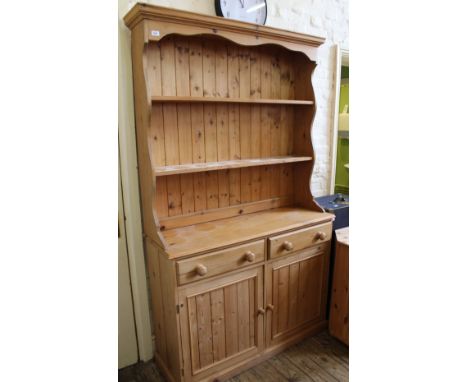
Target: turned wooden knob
x,y
270,307
287,245
321,235
201,270
249,256
261,311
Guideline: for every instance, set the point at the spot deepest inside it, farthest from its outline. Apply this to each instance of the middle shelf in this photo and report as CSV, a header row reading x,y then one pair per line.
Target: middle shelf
x,y
232,100
237,163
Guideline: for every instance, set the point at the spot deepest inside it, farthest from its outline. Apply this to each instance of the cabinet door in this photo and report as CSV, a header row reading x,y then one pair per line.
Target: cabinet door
x,y
221,322
296,292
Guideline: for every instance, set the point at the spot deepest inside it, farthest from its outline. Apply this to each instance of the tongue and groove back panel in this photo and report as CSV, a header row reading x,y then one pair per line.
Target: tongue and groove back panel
x,y
181,133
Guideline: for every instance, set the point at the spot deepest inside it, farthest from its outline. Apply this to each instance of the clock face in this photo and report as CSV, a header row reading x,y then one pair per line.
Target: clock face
x,y
252,11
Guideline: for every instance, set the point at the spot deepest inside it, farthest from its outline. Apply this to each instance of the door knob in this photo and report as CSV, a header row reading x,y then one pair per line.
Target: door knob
x,y
249,256
321,235
201,270
270,307
288,246
261,311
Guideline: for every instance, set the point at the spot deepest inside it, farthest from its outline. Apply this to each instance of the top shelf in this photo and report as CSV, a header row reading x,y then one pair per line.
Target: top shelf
x,y
231,100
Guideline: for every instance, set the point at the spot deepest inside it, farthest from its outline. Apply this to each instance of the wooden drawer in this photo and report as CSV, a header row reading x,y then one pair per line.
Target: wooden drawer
x,y
294,241
215,263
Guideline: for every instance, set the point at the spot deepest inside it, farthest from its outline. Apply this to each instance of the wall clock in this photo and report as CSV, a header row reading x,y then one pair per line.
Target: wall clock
x,y
252,11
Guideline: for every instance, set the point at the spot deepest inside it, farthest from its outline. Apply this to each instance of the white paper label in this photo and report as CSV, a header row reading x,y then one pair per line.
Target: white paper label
x,y
154,33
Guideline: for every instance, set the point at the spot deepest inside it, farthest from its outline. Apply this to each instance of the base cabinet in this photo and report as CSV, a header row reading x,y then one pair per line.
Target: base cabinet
x,y
216,327
221,322
227,321
296,293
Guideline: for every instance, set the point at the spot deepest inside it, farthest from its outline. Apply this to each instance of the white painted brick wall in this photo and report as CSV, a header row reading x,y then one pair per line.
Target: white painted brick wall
x,y
329,17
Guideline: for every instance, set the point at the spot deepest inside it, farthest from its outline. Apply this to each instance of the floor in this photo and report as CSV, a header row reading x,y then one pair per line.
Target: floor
x,y
319,359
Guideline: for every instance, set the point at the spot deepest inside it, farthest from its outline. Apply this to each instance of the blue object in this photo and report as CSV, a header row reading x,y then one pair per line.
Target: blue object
x,y
337,204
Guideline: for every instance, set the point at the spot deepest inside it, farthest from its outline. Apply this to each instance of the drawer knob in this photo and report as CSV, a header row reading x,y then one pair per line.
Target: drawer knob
x,y
288,246
261,311
270,307
249,256
321,235
201,270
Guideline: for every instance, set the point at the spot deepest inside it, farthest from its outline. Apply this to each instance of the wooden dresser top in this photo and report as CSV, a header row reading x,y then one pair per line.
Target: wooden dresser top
x,y
221,233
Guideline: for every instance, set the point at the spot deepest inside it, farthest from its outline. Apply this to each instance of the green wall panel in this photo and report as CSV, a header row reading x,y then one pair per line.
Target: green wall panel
x,y
342,155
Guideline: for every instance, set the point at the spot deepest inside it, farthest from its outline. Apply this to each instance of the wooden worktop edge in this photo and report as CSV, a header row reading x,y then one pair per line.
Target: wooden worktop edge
x,y
176,255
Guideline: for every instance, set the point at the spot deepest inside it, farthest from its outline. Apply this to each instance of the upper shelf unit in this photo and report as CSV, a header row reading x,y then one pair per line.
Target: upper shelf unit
x,y
231,100
213,166
223,113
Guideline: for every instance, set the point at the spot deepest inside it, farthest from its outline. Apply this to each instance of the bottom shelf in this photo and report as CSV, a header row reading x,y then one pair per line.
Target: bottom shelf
x,y
215,234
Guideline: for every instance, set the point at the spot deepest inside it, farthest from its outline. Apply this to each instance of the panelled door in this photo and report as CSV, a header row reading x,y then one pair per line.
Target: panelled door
x,y
296,291
221,322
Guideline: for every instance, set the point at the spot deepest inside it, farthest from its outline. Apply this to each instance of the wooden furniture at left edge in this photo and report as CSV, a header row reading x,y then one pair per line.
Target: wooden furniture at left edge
x,y
237,249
